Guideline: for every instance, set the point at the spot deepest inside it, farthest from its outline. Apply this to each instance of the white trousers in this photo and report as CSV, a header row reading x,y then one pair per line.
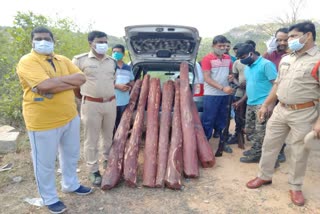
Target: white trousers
x,y
45,145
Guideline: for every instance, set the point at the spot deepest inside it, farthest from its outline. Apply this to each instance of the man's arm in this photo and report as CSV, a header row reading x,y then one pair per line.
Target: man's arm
x,y
240,102
268,103
316,74
122,87
215,84
58,84
272,98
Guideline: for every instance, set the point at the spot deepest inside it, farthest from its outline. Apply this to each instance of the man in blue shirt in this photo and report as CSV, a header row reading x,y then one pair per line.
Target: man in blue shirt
x,y
124,81
259,74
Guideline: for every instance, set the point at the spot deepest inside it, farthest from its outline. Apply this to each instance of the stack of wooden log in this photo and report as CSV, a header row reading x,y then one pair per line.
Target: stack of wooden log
x,y
167,157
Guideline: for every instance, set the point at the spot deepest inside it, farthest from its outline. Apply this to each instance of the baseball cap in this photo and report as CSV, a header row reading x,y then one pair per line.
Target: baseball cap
x,y
311,142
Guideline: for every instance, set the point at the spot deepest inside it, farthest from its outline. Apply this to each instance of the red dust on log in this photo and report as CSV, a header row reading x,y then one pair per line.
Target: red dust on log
x,y
151,143
190,157
204,149
132,148
173,177
113,172
165,124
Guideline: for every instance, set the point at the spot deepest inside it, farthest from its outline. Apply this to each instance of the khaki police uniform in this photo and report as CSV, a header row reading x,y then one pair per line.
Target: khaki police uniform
x,y
98,107
311,142
298,109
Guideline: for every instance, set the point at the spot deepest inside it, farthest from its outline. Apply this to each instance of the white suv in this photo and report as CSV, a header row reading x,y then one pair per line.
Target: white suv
x,y
158,50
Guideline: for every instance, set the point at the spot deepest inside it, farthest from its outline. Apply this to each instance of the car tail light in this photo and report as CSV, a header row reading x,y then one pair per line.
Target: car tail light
x,y
198,90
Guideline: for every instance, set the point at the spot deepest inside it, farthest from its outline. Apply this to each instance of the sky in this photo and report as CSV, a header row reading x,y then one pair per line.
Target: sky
x,y
210,17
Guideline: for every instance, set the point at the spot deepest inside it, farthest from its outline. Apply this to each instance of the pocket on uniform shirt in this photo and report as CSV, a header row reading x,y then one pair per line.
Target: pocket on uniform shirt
x,y
283,71
90,70
299,74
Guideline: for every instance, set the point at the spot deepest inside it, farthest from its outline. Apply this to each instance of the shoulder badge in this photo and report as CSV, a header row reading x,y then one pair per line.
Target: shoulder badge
x,y
315,71
81,55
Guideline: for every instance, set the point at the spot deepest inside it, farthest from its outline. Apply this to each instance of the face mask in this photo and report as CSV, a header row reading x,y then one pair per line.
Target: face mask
x,y
101,48
248,60
218,51
117,56
295,44
43,47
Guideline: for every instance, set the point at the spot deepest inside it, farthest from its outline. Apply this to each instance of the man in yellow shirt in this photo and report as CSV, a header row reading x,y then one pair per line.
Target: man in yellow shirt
x,y
51,118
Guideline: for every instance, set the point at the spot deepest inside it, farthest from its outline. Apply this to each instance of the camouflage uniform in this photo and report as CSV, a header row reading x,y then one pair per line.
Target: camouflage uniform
x,y
256,129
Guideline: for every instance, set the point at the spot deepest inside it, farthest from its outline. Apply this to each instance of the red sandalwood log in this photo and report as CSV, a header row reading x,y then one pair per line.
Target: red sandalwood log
x,y
165,123
130,164
204,149
113,171
190,157
173,178
151,144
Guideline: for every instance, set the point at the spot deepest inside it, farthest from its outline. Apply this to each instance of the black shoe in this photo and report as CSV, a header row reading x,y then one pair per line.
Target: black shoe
x,y
250,159
57,207
249,137
218,154
249,152
216,134
227,149
233,139
282,157
95,178
83,190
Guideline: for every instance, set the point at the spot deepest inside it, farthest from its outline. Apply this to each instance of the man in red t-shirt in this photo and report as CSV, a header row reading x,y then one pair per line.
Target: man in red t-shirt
x,y
281,43
217,67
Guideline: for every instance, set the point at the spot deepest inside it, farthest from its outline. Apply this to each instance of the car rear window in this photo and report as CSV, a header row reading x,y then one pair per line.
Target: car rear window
x,y
164,71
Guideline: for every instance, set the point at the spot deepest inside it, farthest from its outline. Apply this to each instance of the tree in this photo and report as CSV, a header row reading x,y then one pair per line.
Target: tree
x,y
69,42
288,18
292,16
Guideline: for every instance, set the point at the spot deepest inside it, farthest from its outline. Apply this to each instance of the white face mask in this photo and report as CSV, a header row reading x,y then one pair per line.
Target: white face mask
x,y
43,47
101,48
295,44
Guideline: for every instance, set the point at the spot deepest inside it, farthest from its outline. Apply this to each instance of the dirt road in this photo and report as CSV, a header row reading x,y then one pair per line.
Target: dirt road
x,y
218,190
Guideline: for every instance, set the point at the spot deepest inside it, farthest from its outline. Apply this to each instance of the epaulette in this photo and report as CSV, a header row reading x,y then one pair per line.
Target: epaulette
x,y
81,55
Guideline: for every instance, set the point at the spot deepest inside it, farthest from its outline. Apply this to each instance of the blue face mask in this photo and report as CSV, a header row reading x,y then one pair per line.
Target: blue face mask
x,y
295,44
117,55
43,47
247,61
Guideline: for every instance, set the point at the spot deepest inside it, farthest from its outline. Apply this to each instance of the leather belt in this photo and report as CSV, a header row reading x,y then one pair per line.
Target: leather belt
x,y
298,106
99,100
